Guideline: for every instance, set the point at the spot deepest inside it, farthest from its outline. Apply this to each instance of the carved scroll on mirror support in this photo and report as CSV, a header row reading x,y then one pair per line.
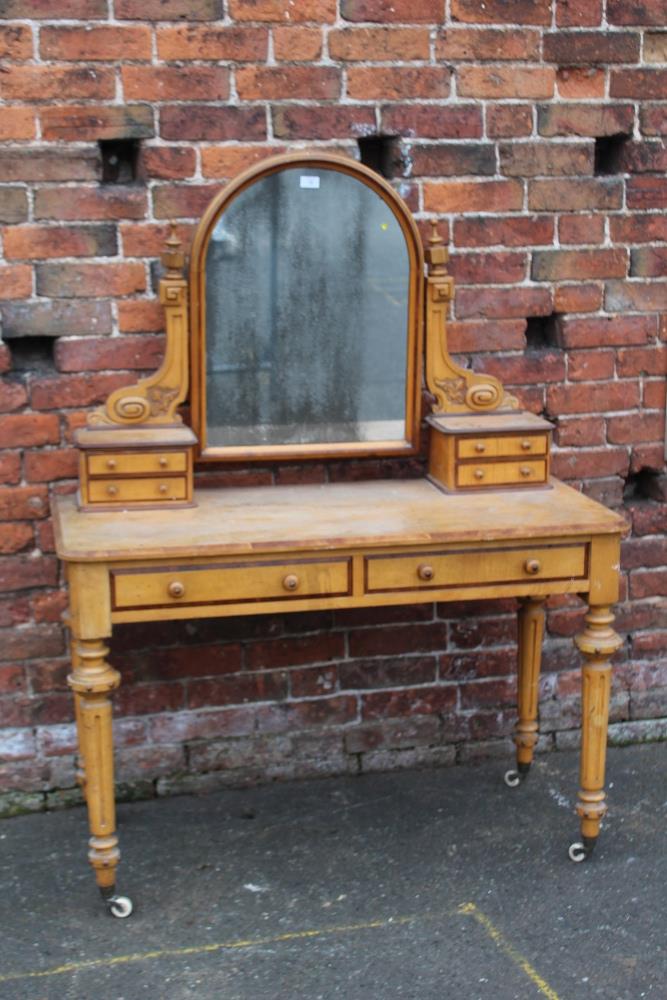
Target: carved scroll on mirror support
x,y
456,390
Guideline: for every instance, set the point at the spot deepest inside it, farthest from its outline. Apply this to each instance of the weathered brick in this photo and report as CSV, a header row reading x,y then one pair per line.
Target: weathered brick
x,y
407,702
648,262
537,367
182,202
44,9
22,503
503,121
138,352
648,583
297,44
429,121
586,366
453,159
168,162
90,204
46,466
29,430
579,432
13,204
13,395
580,82
168,10
578,298
634,228
44,163
556,265
573,195
90,280
585,120
487,45
282,10
607,331
15,42
570,48
236,689
41,242
15,536
483,268
502,11
532,159
296,121
535,82
379,44
148,239
638,83
139,315
499,335
648,191
101,43
86,122
631,428
170,83
641,360
578,13
212,43
427,11
648,296
56,318
592,397
653,119
211,123
286,82
637,12
504,303
17,123
43,83
513,231
473,196
581,228
66,391
15,281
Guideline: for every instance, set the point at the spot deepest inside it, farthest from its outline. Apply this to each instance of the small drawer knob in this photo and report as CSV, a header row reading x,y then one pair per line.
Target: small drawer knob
x,y
526,445
291,581
532,566
479,473
525,470
176,589
163,489
112,491
164,463
480,447
425,572
111,463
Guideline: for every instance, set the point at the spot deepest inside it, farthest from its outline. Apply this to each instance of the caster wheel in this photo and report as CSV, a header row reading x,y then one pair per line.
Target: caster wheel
x,y
119,906
577,852
512,778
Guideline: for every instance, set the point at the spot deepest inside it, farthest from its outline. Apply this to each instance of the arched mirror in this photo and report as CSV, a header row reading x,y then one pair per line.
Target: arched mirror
x,y
306,285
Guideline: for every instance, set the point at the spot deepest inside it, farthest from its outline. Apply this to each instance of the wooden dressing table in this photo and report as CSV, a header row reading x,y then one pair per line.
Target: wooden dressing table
x,y
308,303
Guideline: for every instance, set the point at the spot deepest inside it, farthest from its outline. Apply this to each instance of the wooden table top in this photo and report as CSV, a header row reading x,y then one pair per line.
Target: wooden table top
x,y
328,516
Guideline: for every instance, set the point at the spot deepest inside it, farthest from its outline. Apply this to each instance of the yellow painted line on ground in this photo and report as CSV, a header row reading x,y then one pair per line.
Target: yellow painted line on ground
x,y
97,963
507,948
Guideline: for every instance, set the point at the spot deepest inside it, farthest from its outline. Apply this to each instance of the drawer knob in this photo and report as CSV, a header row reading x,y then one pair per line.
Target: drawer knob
x,y
526,445
532,566
176,589
112,491
164,463
111,463
291,581
425,572
525,470
163,488
480,447
479,473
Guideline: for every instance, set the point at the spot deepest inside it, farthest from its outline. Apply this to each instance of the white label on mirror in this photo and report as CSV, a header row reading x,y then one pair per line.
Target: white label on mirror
x,y
309,181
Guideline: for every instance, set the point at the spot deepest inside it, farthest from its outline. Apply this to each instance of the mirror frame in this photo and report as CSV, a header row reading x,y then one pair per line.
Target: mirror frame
x,y
415,325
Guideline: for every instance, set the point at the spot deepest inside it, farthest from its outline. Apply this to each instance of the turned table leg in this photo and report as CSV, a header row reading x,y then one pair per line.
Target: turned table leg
x,y
598,642
92,680
531,630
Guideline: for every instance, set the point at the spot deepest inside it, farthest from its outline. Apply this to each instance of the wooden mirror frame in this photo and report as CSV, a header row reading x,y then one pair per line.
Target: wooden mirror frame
x,y
415,331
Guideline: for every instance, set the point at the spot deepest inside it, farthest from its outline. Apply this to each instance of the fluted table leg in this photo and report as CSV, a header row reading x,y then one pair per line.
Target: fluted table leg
x,y
531,631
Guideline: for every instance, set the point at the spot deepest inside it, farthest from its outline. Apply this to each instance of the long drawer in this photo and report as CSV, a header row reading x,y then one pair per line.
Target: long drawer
x,y
502,446
137,490
473,567
501,473
137,463
230,583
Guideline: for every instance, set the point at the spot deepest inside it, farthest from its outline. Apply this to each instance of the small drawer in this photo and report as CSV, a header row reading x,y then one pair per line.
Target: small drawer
x,y
231,583
137,490
137,463
502,446
501,474
474,568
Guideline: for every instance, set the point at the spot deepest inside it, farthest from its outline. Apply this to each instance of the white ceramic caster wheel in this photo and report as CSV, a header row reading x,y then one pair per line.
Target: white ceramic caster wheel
x,y
512,778
577,852
120,906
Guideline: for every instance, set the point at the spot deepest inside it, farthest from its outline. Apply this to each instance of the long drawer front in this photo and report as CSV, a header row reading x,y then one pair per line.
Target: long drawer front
x,y
230,583
474,567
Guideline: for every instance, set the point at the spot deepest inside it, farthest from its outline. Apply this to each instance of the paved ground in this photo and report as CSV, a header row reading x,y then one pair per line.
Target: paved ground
x,y
420,885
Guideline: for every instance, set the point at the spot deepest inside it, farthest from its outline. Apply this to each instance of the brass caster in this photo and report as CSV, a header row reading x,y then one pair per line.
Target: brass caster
x,y
512,778
118,906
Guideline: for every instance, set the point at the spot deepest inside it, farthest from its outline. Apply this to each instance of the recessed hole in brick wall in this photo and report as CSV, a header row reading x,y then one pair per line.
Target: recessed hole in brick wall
x,y
120,160
643,485
543,333
608,153
381,153
31,354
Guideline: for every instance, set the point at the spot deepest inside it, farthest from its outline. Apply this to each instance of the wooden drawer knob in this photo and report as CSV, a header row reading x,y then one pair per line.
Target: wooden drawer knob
x,y
479,473
176,589
480,447
111,463
291,581
526,445
425,572
112,491
163,489
164,463
532,566
525,470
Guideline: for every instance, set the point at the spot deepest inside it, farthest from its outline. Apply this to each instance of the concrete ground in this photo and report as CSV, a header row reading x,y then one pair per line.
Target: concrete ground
x,y
422,885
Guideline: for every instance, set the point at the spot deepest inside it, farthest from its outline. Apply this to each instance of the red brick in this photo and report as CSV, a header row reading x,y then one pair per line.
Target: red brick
x,y
43,83
648,583
13,395
635,427
591,365
484,268
171,83
295,651
647,296
45,466
90,280
426,11
649,262
574,195
473,196
592,397
655,47
236,689
571,48
44,9
639,228
286,82
379,44
95,43
398,83
17,123
599,331
140,316
585,120
24,572
167,10
576,83
204,42
649,519
50,607
643,157
538,367
578,432
453,159
505,303
487,45
654,394
283,10
555,265
296,121
430,121
10,467
211,124
89,122
581,228
15,42
641,361
578,13
15,536
637,12
502,11
90,204
13,204
148,239
15,281
12,680
146,699
400,639
504,121
71,390
297,44
499,335
647,192
310,682
535,82
56,318
653,119
29,430
408,702
168,162
532,159
578,298
513,231
638,83
188,201
493,692
42,242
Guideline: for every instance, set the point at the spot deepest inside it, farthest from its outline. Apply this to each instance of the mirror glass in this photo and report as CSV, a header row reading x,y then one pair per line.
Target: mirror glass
x,y
307,286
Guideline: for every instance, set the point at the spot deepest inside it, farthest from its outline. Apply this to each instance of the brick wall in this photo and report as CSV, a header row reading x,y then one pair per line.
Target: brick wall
x,y
534,131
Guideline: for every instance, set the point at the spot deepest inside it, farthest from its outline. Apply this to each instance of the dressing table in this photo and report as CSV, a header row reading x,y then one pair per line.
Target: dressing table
x,y
308,328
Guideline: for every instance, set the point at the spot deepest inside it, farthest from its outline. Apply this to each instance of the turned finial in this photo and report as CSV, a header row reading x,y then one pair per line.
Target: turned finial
x,y
173,257
437,253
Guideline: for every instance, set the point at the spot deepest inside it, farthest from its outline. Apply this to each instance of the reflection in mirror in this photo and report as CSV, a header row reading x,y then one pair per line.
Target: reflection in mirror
x,y
307,284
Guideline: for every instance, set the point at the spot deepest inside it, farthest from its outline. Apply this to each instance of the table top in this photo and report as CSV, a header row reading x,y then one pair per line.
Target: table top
x,y
328,516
